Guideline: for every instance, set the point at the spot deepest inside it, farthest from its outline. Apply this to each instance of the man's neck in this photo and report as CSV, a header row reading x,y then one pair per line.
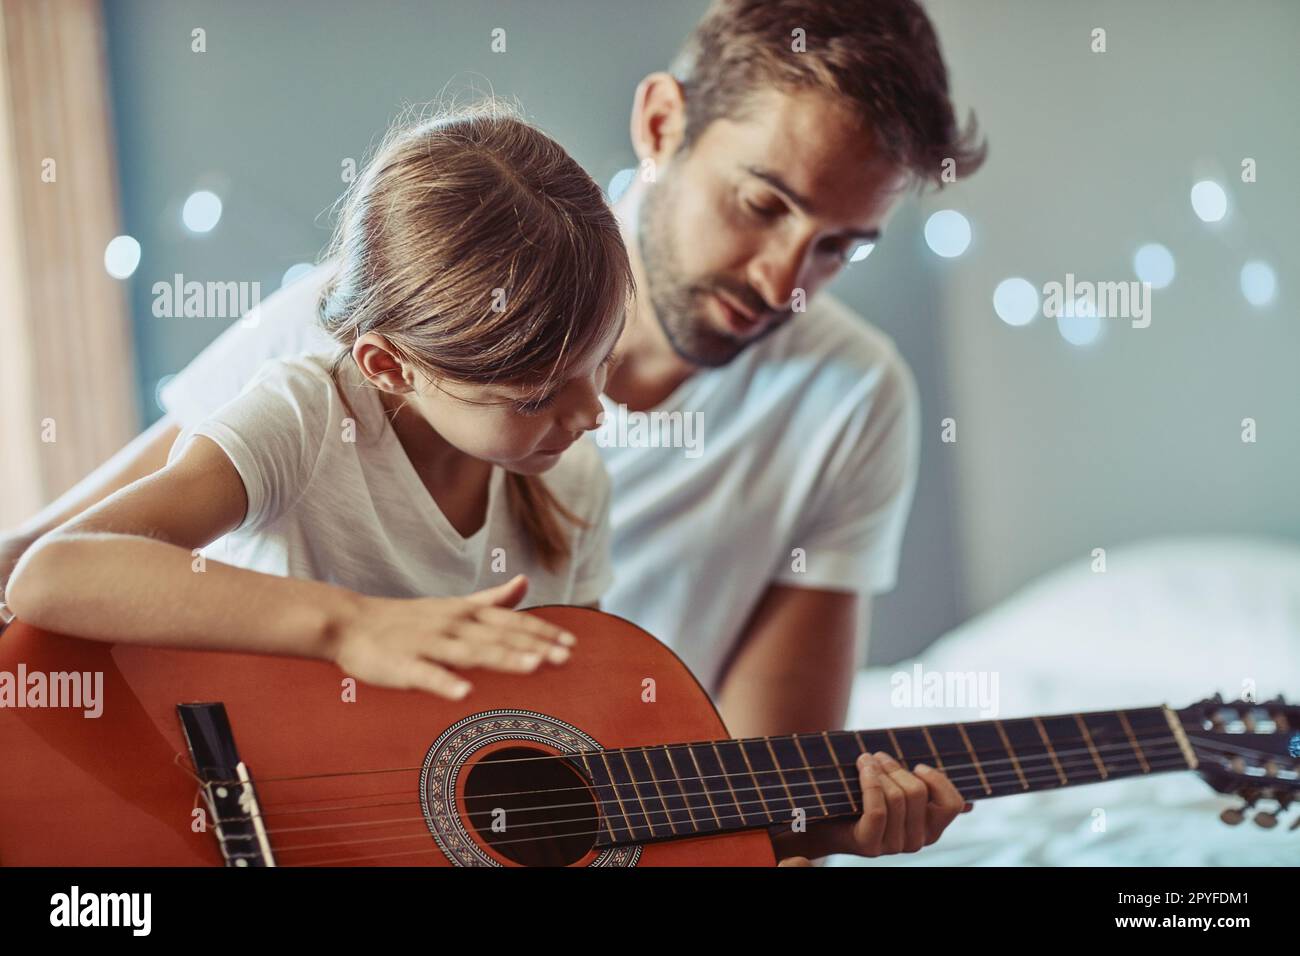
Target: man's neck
x,y
649,370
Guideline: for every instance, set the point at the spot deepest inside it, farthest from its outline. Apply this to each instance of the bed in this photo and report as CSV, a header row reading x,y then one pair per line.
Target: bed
x,y
1171,621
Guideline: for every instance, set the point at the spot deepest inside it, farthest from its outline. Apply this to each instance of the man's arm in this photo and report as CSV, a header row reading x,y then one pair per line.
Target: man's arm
x,y
793,670
793,673
143,455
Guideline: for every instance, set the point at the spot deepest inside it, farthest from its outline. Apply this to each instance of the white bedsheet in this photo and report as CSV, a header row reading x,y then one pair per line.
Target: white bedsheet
x,y
1171,621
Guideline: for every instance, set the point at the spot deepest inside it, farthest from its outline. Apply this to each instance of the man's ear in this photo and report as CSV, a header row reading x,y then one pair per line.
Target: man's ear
x,y
658,117
380,364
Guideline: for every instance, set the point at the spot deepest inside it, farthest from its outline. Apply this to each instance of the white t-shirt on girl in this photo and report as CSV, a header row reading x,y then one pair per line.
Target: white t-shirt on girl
x,y
335,499
804,463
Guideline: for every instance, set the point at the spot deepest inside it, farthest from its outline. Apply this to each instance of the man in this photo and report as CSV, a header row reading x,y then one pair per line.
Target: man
x,y
782,141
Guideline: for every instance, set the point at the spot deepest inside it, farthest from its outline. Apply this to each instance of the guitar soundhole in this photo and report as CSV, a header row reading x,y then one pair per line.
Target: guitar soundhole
x,y
534,812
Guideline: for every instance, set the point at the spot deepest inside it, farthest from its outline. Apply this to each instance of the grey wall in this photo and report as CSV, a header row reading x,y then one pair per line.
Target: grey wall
x,y
1060,449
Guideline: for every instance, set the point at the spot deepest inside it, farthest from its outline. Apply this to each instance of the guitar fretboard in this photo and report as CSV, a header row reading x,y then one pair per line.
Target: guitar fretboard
x,y
695,789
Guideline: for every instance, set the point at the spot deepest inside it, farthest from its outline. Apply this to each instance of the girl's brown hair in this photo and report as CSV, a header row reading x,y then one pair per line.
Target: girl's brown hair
x,y
483,253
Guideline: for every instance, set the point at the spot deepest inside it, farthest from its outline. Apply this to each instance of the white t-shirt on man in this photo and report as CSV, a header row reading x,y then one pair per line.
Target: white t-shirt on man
x,y
333,497
794,464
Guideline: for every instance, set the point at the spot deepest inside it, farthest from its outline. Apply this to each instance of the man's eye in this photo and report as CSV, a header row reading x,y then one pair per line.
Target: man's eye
x,y
845,250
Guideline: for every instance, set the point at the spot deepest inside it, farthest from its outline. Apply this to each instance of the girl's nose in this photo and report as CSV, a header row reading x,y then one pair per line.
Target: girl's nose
x,y
586,417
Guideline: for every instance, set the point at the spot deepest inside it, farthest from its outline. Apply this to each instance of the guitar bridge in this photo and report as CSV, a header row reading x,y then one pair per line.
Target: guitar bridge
x,y
226,785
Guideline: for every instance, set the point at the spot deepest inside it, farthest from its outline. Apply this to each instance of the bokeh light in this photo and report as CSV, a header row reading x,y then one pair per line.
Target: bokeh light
x,y
121,256
947,233
202,211
1016,301
1155,264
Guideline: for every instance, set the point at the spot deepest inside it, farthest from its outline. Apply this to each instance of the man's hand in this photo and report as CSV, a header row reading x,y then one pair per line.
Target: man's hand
x,y
902,811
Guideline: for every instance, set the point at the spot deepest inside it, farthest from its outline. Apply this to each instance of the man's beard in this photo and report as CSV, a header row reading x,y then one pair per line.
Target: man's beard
x,y
679,304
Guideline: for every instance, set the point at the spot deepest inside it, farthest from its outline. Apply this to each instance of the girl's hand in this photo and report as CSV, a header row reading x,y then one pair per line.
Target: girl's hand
x,y
12,547
403,642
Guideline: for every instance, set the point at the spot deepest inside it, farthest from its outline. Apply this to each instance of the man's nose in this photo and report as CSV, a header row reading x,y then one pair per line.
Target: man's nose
x,y
776,273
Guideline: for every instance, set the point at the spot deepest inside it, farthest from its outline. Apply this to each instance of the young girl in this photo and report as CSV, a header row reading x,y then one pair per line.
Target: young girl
x,y
373,501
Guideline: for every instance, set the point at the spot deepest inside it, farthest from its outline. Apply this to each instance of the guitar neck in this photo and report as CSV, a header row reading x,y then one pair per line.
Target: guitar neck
x,y
676,791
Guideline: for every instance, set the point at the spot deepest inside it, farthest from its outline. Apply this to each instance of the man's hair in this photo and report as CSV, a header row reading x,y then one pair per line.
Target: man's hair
x,y
881,56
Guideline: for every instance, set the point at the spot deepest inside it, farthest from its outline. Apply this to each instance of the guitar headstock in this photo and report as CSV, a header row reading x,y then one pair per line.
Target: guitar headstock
x,y
1250,749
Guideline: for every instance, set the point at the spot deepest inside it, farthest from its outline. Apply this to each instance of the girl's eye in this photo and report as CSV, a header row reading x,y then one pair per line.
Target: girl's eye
x,y
536,406
761,211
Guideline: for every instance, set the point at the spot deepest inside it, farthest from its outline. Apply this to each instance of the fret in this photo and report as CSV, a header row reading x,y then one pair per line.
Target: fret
x,y
1088,742
636,819
894,747
1132,739
606,802
849,778
847,747
774,789
974,757
1134,742
687,775
1051,751
717,784
1120,750
694,773
1032,753
934,748
873,741
912,744
798,777
743,785
830,784
1001,773
1153,732
1071,750
651,803
670,791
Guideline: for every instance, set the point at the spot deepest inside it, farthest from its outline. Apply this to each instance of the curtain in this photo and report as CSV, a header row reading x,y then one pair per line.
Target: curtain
x,y
66,360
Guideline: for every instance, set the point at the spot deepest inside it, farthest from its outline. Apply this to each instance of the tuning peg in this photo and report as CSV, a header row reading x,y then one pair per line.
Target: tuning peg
x,y
1295,825
1232,816
1266,819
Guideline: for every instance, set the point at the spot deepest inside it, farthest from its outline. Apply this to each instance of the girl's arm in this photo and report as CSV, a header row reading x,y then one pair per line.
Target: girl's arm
x,y
125,571
144,455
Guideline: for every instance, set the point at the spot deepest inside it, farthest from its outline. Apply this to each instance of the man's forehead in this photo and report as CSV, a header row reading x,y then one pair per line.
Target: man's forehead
x,y
808,140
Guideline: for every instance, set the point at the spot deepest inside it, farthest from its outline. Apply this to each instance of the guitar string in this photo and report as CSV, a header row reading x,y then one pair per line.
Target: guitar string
x,y
633,839
950,766
852,768
847,808
650,748
1035,774
841,803
841,809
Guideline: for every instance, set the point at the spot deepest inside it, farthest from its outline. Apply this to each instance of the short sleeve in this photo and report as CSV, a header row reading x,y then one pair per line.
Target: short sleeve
x,y
593,570
282,326
852,534
273,433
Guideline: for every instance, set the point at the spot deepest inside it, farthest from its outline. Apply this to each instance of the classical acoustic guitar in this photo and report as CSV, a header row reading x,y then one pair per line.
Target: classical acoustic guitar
x,y
616,758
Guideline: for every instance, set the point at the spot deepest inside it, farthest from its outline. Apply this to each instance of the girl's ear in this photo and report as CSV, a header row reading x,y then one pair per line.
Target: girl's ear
x,y
380,364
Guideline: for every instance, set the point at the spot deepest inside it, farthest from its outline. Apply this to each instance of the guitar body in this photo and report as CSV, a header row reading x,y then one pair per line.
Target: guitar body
x,y
388,778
